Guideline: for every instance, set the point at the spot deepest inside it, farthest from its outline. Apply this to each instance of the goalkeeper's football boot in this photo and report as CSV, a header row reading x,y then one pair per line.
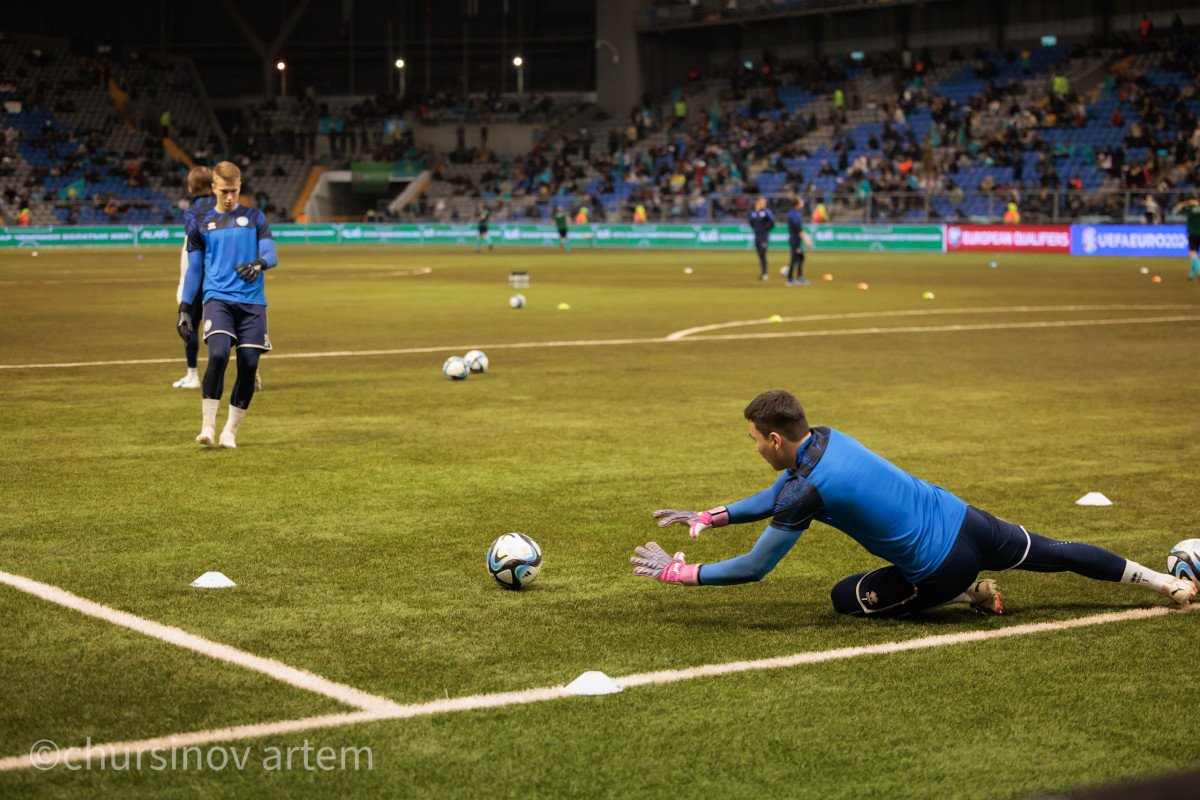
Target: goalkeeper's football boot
x,y
228,441
207,436
985,597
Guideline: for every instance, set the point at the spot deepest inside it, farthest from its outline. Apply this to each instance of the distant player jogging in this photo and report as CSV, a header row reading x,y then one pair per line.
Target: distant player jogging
x,y
199,181
936,544
761,222
561,222
797,239
1191,211
482,218
228,249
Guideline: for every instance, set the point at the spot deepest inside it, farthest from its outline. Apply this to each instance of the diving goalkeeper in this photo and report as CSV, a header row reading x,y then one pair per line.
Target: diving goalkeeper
x,y
936,544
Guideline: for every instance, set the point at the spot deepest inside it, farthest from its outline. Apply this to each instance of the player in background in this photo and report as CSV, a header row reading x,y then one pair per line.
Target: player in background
x,y
482,218
797,239
199,183
228,249
761,222
560,222
1191,211
936,544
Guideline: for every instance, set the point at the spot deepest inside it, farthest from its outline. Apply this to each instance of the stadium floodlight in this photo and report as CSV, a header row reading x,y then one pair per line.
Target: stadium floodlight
x,y
282,67
400,67
519,63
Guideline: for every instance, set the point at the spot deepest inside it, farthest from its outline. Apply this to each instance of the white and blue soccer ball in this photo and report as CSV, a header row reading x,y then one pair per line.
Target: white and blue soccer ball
x,y
517,301
514,560
455,368
1184,560
476,361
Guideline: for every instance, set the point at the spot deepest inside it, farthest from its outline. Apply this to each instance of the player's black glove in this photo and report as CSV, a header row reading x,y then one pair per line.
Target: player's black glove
x,y
250,271
184,326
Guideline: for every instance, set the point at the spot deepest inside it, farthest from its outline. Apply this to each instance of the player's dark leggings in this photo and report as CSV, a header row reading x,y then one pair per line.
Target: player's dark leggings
x,y
219,347
761,247
984,543
796,267
191,348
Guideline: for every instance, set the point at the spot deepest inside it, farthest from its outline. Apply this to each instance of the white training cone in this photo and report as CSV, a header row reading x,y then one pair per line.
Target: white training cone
x,y
593,682
1093,499
212,580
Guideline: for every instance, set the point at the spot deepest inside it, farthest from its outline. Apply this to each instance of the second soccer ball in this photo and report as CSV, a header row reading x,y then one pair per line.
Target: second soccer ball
x,y
476,361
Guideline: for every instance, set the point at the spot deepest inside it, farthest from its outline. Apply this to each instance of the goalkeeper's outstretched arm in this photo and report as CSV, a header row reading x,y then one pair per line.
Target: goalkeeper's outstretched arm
x,y
772,546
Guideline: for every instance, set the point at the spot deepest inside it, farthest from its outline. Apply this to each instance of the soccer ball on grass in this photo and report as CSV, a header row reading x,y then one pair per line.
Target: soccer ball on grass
x,y
1184,560
514,560
455,368
476,361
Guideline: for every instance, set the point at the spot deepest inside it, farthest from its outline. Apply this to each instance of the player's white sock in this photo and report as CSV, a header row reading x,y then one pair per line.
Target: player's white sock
x,y
209,412
1138,575
235,419
193,373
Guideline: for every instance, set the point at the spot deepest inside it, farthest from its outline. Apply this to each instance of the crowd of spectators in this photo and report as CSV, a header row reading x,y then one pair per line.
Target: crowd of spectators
x,y
706,163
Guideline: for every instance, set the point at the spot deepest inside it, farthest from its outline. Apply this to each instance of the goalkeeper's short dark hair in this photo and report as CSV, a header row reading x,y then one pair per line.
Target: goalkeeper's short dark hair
x,y
778,411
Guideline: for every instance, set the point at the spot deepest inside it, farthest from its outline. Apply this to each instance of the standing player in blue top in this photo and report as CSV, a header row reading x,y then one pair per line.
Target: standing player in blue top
x,y
199,181
761,222
228,249
936,544
797,238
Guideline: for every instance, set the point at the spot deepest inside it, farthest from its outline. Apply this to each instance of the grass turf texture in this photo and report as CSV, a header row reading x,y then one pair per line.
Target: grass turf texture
x,y
356,511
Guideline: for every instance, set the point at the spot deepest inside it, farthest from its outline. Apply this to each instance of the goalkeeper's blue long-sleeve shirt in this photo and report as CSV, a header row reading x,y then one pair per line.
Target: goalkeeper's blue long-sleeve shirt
x,y
894,515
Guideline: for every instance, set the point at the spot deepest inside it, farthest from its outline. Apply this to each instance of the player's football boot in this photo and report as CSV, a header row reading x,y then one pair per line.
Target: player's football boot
x,y
1179,590
985,597
187,383
207,436
227,440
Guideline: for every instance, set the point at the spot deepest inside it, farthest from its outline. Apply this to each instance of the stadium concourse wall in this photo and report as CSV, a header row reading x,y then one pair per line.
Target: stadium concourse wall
x,y
1079,240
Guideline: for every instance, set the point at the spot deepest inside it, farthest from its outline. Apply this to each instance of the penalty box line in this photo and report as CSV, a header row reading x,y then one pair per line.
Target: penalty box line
x,y
678,337
381,709
299,678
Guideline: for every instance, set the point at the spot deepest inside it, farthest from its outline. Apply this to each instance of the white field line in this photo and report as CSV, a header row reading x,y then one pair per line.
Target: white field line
x,y
927,312
649,340
267,666
496,700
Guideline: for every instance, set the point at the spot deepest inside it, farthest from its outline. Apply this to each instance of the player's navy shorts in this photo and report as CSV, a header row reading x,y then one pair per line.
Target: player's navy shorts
x,y
984,543
562,233
1194,241
483,230
246,323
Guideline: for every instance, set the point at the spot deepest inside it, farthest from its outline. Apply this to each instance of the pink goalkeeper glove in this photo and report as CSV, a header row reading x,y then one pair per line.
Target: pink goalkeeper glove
x,y
697,521
655,563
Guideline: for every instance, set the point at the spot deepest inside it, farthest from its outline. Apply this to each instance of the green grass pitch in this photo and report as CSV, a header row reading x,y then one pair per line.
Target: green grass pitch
x,y
355,513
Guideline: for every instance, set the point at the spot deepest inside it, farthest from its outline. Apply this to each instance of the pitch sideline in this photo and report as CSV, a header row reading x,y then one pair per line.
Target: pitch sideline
x,y
375,709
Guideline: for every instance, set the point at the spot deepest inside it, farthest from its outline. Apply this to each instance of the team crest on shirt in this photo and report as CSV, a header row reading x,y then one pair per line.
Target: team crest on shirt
x,y
243,221
212,226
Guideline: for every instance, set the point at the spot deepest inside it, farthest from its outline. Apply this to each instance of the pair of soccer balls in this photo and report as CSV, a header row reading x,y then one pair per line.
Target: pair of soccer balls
x,y
1184,560
514,560
457,368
